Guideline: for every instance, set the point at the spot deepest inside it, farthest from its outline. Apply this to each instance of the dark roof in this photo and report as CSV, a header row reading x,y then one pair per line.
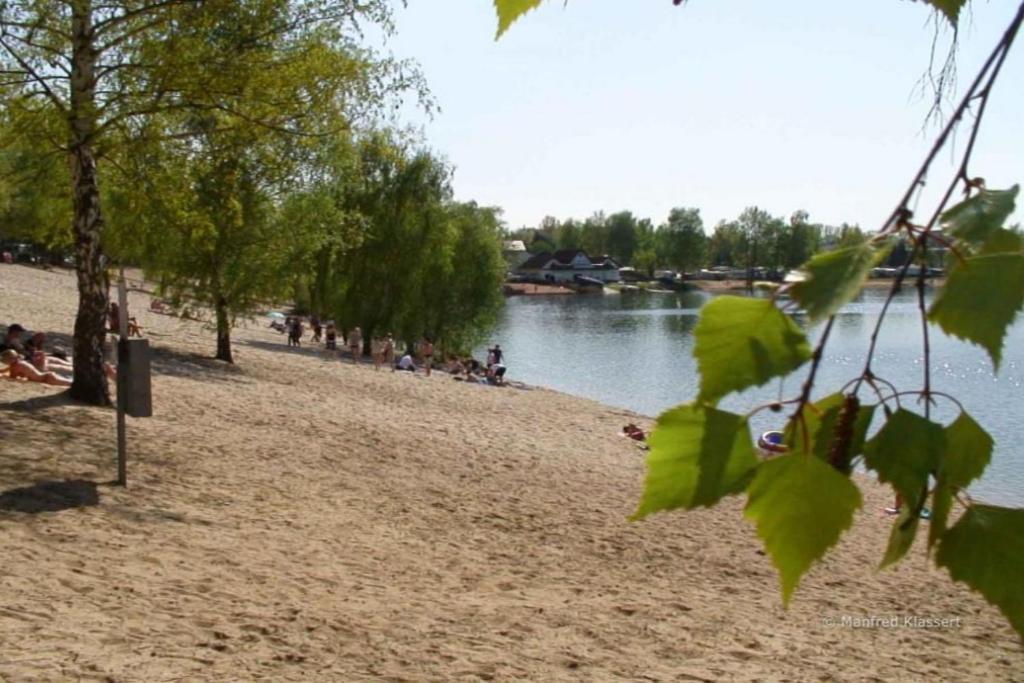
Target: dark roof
x,y
536,262
567,255
563,260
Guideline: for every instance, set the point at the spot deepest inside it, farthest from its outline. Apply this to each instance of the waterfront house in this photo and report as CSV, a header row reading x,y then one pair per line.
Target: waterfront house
x,y
565,264
515,253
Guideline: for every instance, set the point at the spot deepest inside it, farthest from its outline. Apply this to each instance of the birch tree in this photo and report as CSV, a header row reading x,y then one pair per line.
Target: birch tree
x,y
103,70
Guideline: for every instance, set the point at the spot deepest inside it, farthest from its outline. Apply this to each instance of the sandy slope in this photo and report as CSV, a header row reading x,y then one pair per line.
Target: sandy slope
x,y
297,519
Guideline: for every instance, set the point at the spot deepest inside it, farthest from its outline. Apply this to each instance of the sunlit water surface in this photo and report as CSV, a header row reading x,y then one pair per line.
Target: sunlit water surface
x,y
634,350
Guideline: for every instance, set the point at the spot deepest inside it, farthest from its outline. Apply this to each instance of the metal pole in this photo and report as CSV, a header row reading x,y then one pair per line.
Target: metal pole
x,y
122,324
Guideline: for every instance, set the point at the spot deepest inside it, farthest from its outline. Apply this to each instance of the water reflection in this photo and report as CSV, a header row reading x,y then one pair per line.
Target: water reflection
x,y
634,351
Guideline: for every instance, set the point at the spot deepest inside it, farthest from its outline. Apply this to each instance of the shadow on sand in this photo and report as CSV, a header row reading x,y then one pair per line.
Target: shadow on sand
x,y
307,349
38,403
50,496
165,361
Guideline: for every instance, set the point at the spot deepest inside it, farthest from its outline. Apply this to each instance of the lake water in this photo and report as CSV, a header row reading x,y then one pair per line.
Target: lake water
x,y
634,350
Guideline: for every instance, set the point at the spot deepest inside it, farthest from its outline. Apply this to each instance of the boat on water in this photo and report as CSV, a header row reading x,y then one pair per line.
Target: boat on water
x,y
587,284
772,443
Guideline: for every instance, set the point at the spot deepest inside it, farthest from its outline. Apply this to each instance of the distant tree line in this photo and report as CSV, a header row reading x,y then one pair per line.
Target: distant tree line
x,y
754,239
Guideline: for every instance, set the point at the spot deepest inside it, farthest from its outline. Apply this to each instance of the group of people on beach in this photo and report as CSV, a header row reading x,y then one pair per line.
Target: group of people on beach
x,y
23,356
383,350
492,371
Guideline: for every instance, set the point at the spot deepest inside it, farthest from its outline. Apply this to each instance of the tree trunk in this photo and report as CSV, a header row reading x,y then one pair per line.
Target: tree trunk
x,y
223,331
89,383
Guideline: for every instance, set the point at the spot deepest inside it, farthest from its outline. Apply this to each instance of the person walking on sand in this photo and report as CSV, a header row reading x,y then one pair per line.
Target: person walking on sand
x,y
427,353
331,340
295,332
355,344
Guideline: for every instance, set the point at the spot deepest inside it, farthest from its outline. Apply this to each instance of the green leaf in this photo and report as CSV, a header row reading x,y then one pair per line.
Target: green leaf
x,y
743,342
942,503
980,299
698,455
905,452
1002,241
985,550
974,219
950,8
968,452
820,418
510,10
833,278
904,529
801,506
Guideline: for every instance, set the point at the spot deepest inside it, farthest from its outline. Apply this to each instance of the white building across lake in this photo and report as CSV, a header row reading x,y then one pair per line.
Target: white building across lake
x,y
565,264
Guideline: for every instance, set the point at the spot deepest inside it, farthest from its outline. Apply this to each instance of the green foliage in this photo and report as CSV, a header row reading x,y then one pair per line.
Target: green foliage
x,y
975,219
985,550
680,241
801,506
698,455
905,452
949,8
968,452
510,10
901,538
965,307
742,342
401,257
623,236
834,278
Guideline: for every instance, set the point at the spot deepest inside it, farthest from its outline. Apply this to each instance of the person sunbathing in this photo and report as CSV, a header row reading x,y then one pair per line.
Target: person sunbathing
x,y
16,368
159,306
634,432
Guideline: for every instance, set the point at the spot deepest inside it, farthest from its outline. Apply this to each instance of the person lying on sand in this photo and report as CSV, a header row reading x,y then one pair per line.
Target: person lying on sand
x,y
160,306
634,432
16,368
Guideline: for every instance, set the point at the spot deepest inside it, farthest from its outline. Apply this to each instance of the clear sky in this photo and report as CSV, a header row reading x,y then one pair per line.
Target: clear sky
x,y
717,104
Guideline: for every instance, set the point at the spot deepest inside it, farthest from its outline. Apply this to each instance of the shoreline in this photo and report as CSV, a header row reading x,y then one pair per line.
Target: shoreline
x,y
292,518
709,286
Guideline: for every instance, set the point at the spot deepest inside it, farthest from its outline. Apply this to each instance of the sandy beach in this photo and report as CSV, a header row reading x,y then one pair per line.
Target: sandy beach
x,y
293,518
